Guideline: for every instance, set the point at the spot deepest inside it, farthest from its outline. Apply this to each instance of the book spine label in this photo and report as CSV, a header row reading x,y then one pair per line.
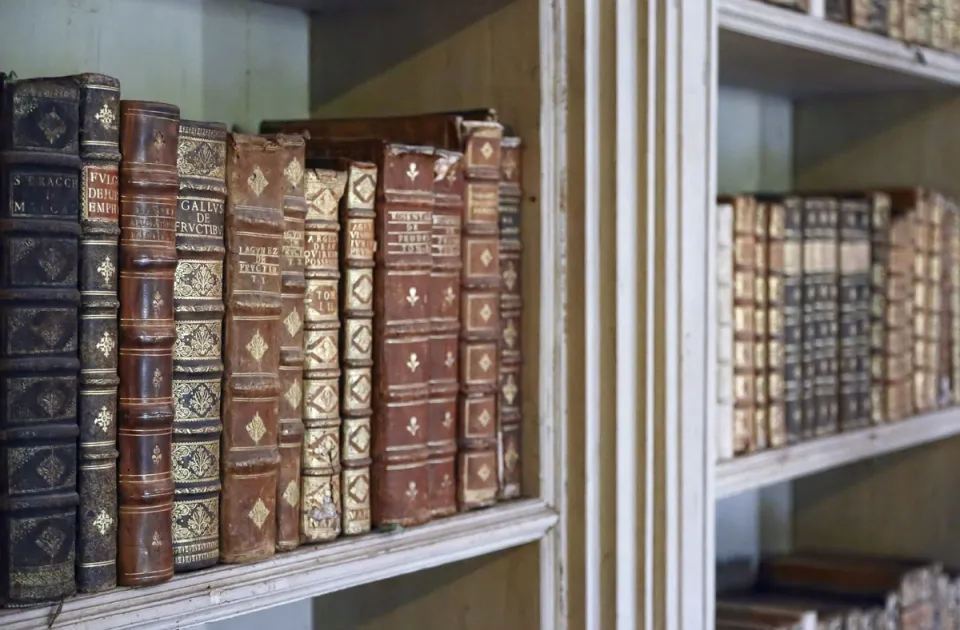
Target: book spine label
x,y
250,457
148,257
197,362
477,483
356,343
291,343
39,371
444,307
321,497
97,404
509,403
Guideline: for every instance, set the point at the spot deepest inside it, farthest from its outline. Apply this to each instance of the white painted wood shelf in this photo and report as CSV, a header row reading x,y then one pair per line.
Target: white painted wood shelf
x,y
774,466
780,51
230,590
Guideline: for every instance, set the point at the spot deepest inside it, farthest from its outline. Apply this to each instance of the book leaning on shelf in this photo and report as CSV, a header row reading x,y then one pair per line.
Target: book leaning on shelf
x,y
238,344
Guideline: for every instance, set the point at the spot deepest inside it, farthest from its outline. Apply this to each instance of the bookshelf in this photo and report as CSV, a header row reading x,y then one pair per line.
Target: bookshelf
x,y
805,104
242,62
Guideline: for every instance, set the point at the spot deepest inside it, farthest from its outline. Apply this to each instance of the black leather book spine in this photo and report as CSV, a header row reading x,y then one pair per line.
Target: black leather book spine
x,y
793,324
39,363
97,403
854,303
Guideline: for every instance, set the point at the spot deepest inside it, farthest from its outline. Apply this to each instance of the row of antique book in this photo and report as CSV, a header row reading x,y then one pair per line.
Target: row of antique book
x,y
819,590
216,346
835,311
931,23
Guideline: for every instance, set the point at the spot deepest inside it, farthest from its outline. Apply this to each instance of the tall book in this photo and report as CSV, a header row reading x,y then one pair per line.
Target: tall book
x,y
444,305
39,363
723,286
291,342
760,312
197,360
820,310
777,269
853,258
478,135
97,403
250,455
148,257
321,506
952,271
891,310
401,325
511,305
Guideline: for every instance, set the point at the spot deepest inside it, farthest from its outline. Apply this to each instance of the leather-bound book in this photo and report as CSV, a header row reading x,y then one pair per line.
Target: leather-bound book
x,y
354,185
250,457
401,326
148,257
39,363
760,364
895,18
952,271
511,304
444,305
744,307
724,321
292,286
772,357
853,257
97,403
197,362
320,509
891,309
820,309
477,134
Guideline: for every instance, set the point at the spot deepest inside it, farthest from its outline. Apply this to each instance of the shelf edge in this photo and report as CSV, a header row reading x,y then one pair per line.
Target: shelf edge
x,y
790,28
230,590
767,468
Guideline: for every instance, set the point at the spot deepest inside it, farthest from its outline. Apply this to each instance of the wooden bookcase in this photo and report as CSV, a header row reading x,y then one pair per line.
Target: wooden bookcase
x,y
807,104
242,61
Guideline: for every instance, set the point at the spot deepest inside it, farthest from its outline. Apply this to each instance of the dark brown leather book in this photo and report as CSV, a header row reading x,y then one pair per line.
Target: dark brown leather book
x,y
197,361
97,403
321,505
443,302
853,257
478,135
403,225
511,304
291,342
148,257
39,363
820,321
250,456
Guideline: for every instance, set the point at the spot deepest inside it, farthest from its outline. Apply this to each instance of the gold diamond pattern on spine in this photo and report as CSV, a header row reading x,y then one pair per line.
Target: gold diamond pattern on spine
x,y
291,344
320,516
356,345
197,365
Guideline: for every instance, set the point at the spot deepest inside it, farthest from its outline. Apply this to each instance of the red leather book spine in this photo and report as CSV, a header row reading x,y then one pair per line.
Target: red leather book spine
x,y
148,256
250,456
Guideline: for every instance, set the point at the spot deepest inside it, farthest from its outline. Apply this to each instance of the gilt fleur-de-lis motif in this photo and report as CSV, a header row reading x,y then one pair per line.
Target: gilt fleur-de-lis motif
x,y
450,360
413,426
157,378
106,270
412,297
413,172
447,420
412,491
412,362
157,456
449,296
106,344
103,522
157,543
104,419
158,141
106,117
257,347
157,299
